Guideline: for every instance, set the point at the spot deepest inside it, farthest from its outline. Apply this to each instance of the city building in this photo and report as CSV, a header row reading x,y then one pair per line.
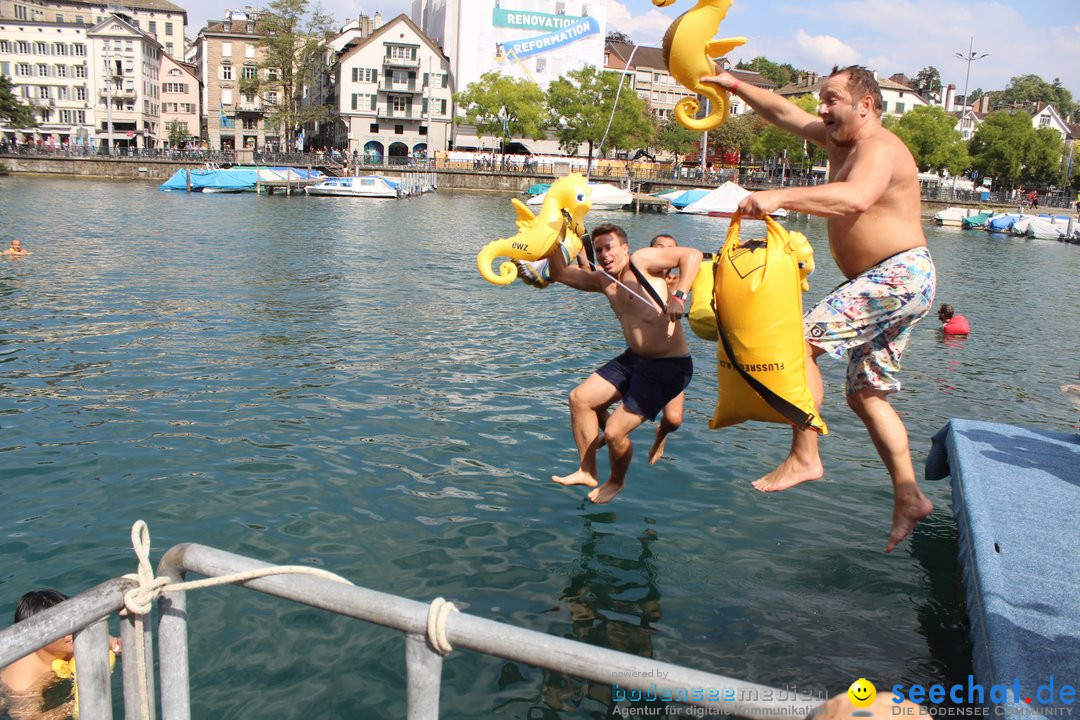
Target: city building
x,y
392,91
125,68
226,52
180,109
48,67
656,86
160,19
538,40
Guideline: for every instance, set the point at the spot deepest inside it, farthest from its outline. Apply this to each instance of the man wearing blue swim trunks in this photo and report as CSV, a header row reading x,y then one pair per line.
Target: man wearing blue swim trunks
x,y
656,366
875,234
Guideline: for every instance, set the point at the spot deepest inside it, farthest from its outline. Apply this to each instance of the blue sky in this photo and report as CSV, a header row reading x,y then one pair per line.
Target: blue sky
x,y
1021,36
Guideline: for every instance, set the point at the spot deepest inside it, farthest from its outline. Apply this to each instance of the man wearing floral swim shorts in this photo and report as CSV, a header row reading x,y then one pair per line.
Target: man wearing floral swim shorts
x,y
872,202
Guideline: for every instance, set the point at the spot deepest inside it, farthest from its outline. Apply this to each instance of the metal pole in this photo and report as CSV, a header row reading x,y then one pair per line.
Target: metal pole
x,y
92,657
970,58
108,96
133,682
423,671
173,642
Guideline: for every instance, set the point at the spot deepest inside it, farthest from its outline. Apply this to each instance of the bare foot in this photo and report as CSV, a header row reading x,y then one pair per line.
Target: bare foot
x,y
788,474
577,478
606,492
906,515
657,450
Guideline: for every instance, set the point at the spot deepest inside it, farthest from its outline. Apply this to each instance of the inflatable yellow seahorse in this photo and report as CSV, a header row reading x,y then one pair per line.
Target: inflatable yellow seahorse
x,y
568,200
688,50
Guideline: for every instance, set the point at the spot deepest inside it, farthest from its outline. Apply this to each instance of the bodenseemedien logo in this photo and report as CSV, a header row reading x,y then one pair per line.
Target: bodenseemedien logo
x,y
861,694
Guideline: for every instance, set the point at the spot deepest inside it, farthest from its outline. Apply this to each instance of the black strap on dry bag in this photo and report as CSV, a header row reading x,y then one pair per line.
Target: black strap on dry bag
x,y
648,287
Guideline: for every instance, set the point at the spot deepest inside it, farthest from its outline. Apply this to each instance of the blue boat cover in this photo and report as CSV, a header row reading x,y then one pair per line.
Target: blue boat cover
x,y
1015,497
688,197
1002,223
232,179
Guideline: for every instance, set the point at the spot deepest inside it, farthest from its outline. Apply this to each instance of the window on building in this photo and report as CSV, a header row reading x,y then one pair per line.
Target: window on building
x,y
80,71
5,69
59,49
226,49
175,88
226,72
884,106
249,50
249,72
374,128
42,70
168,28
78,49
226,96
41,48
900,108
5,46
20,13
43,92
23,70
560,8
61,71
399,104
442,107
134,22
168,48
1044,121
541,65
399,129
271,98
80,93
151,27
22,47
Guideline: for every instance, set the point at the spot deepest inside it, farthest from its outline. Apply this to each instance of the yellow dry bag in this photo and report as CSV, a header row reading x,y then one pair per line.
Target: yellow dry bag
x,y
761,353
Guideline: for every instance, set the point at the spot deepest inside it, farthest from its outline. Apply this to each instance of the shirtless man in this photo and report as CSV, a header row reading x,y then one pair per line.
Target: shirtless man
x,y
16,248
875,235
656,366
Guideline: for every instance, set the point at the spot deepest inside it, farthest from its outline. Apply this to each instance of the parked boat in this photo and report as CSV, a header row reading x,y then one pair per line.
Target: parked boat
x,y
604,197
537,189
977,221
1048,228
1003,223
372,186
723,202
232,180
953,216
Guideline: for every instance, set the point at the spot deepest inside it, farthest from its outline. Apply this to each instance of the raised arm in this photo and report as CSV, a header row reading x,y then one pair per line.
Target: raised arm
x,y
571,275
656,261
778,110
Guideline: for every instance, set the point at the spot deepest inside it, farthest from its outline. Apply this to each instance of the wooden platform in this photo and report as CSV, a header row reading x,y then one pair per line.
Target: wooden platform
x,y
289,186
649,203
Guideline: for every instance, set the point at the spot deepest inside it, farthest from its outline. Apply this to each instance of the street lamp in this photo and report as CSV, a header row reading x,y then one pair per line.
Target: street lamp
x,y
971,57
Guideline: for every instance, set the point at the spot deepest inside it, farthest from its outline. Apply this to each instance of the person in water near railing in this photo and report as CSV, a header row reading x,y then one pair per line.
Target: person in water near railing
x,y
26,680
656,366
16,249
875,234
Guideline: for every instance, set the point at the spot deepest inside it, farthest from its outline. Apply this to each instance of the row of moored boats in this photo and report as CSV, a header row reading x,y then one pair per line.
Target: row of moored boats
x,y
720,201
1043,227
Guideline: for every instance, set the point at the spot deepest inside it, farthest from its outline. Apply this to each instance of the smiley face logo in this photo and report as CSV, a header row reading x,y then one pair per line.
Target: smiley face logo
x,y
862,693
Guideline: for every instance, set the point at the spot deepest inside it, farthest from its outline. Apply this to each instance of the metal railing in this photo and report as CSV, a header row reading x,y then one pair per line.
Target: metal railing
x,y
86,615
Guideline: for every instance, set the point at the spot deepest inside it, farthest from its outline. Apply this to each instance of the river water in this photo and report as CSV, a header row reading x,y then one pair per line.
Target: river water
x,y
329,381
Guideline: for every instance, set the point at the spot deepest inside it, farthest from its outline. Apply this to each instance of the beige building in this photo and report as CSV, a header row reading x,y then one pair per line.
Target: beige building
x,y
226,52
125,68
47,64
655,85
160,19
393,92
180,94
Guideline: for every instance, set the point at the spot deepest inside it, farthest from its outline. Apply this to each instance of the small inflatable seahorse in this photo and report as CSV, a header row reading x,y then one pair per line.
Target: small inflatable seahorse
x,y
688,50
567,201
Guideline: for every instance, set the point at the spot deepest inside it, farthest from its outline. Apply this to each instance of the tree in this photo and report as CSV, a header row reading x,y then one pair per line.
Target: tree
x,y
178,133
930,134
13,112
780,74
1007,148
677,140
292,44
736,135
927,80
775,143
616,36
1027,91
583,106
504,107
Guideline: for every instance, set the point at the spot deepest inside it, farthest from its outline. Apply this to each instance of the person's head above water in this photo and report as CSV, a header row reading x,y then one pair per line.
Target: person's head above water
x,y
946,312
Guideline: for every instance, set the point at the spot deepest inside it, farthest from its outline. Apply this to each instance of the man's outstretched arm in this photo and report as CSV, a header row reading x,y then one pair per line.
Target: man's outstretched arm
x,y
778,110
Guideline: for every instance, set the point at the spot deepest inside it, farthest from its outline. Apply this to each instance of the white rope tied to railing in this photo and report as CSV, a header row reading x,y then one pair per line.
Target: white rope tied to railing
x,y
436,625
139,600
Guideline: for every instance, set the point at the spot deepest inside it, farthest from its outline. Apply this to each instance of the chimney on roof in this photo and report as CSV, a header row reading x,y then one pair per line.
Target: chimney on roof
x,y
378,20
984,104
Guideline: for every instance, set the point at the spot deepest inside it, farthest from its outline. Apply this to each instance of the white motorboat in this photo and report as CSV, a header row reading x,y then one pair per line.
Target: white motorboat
x,y
953,216
372,186
604,197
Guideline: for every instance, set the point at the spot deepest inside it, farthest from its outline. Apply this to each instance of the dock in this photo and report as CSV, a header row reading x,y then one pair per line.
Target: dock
x,y
1015,495
649,203
289,185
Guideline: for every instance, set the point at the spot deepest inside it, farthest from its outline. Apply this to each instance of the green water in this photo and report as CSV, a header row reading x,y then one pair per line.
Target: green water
x,y
329,381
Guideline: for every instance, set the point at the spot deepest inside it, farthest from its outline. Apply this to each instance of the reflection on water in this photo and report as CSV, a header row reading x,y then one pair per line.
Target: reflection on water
x,y
334,384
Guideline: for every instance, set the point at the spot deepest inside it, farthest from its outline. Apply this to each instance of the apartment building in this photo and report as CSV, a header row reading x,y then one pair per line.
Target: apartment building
x,y
125,67
160,19
225,52
393,92
47,63
646,68
180,93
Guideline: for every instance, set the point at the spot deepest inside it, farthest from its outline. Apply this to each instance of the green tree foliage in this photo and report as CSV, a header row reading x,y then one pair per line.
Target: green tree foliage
x,y
931,135
927,80
616,36
292,45
582,104
1026,91
780,74
737,134
502,107
773,142
178,133
12,111
674,138
1007,148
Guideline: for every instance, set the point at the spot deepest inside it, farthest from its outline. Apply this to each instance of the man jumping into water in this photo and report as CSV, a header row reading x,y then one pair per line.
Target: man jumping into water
x,y
656,366
875,235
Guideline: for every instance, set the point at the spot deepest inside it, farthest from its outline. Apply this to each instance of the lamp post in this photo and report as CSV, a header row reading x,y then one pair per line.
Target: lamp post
x,y
970,57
